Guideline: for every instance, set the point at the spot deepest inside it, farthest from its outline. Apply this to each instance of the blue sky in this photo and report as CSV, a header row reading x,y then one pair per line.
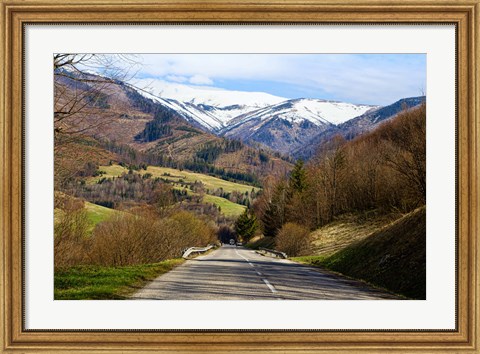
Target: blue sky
x,y
357,78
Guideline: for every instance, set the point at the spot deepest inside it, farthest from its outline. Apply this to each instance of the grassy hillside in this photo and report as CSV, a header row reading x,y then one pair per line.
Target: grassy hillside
x,y
347,229
97,213
211,183
393,257
179,179
228,208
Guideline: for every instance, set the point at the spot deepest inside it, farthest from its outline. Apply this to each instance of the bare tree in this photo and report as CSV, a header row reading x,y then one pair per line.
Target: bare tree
x,y
405,148
330,173
83,86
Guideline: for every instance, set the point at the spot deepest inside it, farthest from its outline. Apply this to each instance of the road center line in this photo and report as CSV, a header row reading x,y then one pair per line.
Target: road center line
x,y
270,286
241,256
267,283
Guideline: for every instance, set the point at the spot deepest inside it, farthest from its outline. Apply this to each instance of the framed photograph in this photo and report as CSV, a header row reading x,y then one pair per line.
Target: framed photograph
x,y
173,169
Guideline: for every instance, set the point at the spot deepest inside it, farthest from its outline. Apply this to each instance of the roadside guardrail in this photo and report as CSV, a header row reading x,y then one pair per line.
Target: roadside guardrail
x,y
191,250
269,252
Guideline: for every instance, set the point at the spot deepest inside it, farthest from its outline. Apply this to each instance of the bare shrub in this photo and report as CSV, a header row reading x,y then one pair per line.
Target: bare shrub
x,y
70,232
131,239
195,232
293,239
64,201
124,240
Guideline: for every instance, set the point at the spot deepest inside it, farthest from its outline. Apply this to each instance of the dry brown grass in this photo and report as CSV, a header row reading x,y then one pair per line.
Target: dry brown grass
x,y
346,230
393,257
261,241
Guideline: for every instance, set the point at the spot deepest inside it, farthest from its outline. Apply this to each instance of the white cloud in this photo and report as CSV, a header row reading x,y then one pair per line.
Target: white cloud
x,y
200,80
176,78
376,79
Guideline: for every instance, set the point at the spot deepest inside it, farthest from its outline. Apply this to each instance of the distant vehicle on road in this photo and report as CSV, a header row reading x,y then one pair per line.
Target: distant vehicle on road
x,y
232,241
239,244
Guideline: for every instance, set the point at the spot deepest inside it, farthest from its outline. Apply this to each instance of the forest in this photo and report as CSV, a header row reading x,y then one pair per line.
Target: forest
x,y
384,170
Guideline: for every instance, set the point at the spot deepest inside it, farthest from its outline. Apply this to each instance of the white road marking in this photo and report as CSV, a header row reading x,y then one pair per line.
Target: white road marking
x,y
241,256
267,283
270,286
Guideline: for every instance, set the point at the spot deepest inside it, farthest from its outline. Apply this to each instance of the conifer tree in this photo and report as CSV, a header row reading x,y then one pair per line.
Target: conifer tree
x,y
246,225
298,178
274,216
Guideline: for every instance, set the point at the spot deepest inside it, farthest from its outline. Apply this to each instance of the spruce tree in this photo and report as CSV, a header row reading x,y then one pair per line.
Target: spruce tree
x,y
298,177
246,225
274,215
271,220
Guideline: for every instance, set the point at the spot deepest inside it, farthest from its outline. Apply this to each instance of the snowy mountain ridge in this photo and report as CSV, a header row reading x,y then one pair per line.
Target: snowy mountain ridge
x,y
316,111
207,95
278,123
222,110
211,108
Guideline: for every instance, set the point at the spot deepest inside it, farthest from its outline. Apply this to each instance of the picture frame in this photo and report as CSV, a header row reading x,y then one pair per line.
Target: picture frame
x,y
463,14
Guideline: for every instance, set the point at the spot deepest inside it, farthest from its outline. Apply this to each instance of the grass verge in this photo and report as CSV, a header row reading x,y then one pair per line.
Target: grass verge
x,y
347,229
107,283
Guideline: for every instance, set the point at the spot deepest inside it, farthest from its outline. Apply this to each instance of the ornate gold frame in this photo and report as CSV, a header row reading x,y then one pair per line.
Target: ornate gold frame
x,y
464,13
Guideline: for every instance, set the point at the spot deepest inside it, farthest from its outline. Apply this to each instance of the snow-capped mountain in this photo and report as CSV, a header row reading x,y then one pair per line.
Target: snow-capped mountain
x,y
208,95
254,117
210,107
291,124
217,109
318,112
358,125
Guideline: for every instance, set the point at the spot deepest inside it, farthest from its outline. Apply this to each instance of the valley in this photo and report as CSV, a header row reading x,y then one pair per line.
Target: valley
x,y
146,169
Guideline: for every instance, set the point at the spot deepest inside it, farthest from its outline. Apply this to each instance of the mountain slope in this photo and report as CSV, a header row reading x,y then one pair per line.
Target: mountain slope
x,y
206,107
316,111
358,125
367,121
291,124
393,257
203,151
140,128
207,95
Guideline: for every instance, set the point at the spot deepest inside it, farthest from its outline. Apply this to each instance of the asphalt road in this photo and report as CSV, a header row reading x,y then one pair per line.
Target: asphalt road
x,y
237,273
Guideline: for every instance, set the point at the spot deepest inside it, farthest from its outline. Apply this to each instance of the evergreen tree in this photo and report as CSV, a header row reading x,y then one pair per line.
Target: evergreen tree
x,y
157,128
298,177
274,215
271,221
246,225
